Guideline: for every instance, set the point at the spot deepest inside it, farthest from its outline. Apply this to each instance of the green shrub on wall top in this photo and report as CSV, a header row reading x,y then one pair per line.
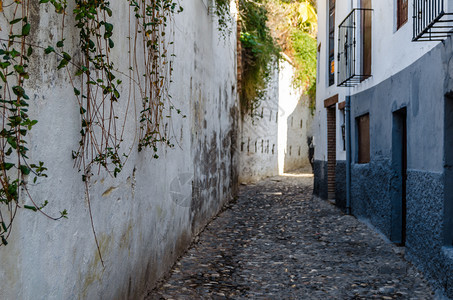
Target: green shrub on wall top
x,y
268,27
294,26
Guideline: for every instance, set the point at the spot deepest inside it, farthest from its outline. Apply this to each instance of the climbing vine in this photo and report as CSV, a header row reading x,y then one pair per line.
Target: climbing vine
x,y
222,12
96,82
16,169
153,73
98,92
259,53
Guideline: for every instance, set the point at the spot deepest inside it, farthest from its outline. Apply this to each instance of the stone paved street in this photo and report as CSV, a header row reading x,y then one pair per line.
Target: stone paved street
x,y
277,242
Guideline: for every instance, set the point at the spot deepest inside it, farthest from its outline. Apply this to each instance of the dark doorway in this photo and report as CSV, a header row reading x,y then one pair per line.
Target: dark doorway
x,y
399,177
448,172
363,135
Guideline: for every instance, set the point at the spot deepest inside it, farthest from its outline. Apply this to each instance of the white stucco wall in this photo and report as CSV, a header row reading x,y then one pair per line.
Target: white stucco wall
x,y
146,216
294,124
279,130
258,139
392,51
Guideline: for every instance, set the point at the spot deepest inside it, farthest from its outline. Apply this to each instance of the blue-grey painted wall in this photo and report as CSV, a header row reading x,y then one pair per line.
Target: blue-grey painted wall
x,y
421,89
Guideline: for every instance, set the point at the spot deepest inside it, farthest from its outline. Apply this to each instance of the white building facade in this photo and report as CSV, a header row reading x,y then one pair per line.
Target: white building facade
x,y
383,127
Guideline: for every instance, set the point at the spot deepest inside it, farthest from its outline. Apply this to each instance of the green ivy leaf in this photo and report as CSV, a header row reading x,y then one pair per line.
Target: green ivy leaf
x,y
63,63
109,11
26,29
5,64
7,166
4,227
15,21
19,69
49,50
66,56
12,142
60,44
20,92
24,169
108,27
33,208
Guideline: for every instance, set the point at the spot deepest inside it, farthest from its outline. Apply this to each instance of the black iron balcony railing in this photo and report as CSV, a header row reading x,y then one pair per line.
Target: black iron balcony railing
x,y
431,20
354,47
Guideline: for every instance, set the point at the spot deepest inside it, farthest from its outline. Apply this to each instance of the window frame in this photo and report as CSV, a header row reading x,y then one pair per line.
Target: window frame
x,y
331,42
363,139
366,39
402,13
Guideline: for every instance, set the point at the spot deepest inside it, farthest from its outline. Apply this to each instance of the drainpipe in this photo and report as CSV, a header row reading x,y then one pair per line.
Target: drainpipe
x,y
348,154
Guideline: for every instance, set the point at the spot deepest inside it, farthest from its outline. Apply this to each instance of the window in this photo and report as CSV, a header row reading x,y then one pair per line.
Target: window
x,y
331,65
401,13
363,139
355,46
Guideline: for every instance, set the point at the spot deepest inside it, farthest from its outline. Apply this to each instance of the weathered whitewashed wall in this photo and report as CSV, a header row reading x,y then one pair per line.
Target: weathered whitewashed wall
x,y
145,218
259,137
295,122
275,141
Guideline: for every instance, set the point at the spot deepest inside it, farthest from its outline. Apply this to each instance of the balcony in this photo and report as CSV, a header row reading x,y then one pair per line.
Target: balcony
x,y
354,47
431,20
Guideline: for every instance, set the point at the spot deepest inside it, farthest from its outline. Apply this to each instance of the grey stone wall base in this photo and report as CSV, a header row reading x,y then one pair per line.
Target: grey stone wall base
x,y
370,193
340,185
424,241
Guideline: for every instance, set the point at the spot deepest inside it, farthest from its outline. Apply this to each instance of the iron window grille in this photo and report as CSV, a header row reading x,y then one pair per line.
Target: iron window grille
x,y
351,47
431,22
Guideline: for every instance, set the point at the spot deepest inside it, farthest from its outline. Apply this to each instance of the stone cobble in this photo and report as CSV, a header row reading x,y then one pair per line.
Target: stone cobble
x,y
278,242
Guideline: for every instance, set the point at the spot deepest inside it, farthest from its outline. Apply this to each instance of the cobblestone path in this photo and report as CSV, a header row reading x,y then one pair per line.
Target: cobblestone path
x,y
277,242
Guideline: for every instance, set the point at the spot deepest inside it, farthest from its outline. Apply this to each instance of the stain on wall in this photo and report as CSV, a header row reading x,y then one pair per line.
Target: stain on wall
x,y
143,220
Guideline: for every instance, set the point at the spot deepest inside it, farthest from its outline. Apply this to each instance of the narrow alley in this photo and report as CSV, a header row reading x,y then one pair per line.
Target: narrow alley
x,y
278,242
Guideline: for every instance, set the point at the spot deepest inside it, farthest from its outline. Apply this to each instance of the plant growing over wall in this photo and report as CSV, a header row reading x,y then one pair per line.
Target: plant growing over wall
x,y
259,53
304,47
222,11
290,24
15,166
96,82
150,73
294,26
267,27
153,74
